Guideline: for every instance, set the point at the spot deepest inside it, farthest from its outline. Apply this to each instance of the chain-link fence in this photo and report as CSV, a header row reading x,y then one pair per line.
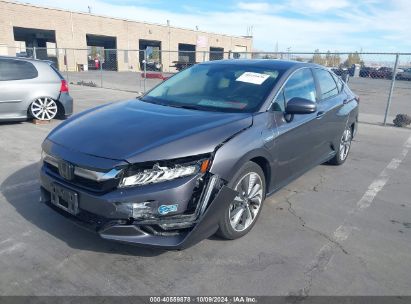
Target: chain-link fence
x,y
382,80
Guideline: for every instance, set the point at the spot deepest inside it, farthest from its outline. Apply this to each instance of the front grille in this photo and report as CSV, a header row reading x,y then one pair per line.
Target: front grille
x,y
81,182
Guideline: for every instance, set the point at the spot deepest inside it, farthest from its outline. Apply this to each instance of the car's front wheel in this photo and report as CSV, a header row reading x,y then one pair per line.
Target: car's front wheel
x,y
243,212
343,149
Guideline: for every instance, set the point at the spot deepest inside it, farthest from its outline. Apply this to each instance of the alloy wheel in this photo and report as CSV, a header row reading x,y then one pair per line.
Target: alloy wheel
x,y
345,144
245,207
44,108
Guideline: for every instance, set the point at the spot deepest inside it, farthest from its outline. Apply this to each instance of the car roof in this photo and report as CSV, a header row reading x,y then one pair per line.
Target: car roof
x,y
24,59
265,63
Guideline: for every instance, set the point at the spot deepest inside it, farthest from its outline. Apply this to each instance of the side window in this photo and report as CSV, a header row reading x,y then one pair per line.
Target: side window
x,y
327,84
300,84
338,81
11,69
279,102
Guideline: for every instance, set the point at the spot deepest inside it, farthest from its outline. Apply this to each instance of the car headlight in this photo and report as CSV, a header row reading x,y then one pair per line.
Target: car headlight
x,y
163,173
47,158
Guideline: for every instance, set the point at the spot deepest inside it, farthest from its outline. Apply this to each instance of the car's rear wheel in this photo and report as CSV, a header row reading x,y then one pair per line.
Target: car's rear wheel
x,y
343,149
44,108
243,212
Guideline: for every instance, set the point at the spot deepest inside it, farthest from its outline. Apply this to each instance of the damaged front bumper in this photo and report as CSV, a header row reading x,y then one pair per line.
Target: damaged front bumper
x,y
111,214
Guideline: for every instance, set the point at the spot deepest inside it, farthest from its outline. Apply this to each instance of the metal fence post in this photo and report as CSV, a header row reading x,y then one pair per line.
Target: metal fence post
x,y
204,56
34,52
66,64
145,70
394,74
101,73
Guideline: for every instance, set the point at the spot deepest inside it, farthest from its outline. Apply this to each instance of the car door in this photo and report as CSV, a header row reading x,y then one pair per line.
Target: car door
x,y
293,144
331,117
14,75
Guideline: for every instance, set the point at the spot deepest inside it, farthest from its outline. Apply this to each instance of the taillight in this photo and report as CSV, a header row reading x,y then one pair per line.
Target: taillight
x,y
64,86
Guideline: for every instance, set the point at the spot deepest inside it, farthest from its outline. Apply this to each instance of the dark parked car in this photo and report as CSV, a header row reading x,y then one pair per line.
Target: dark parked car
x,y
344,73
32,88
404,74
382,73
367,71
151,66
199,153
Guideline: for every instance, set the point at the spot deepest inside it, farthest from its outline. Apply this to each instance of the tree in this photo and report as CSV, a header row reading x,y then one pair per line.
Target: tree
x,y
336,59
317,58
353,58
332,60
328,59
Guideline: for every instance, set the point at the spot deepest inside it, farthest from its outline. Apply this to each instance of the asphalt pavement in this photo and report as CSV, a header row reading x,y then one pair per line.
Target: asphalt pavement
x,y
334,231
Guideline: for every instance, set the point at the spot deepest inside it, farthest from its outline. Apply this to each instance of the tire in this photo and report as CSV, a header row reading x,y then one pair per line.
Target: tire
x,y
43,108
235,223
343,149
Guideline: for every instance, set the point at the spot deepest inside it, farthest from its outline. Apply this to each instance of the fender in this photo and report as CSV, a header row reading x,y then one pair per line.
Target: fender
x,y
249,144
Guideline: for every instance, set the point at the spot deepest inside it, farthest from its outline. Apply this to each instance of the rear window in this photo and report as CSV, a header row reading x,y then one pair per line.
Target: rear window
x,y
11,69
338,81
56,70
327,84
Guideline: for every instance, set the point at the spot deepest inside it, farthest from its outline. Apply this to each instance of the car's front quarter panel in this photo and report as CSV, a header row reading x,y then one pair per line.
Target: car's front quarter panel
x,y
245,146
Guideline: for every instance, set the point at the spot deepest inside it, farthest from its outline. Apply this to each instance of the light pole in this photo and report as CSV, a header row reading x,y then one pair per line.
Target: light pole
x,y
288,51
169,43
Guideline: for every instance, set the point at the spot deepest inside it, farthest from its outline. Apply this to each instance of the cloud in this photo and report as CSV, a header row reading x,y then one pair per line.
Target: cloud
x,y
315,6
255,7
303,25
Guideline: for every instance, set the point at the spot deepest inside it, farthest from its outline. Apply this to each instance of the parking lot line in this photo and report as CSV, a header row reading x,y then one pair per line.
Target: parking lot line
x,y
342,233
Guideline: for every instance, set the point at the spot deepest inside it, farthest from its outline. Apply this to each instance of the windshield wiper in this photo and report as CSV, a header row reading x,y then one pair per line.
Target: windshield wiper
x,y
189,107
181,106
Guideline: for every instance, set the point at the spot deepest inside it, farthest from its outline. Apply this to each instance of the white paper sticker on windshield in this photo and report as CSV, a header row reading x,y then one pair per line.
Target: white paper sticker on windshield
x,y
251,77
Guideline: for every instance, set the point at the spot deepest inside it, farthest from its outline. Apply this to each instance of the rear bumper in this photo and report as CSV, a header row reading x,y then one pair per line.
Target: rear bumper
x,y
67,102
110,214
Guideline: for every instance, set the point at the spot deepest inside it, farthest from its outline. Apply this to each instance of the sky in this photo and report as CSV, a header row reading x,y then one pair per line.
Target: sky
x,y
300,25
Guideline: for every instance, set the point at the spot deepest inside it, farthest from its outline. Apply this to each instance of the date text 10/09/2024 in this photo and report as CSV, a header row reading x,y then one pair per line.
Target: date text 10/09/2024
x,y
206,299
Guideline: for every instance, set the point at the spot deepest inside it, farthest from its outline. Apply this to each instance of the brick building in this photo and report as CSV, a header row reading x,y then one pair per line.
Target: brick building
x,y
76,39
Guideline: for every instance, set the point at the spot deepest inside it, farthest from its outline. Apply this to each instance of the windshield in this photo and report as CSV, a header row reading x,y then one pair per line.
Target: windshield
x,y
217,87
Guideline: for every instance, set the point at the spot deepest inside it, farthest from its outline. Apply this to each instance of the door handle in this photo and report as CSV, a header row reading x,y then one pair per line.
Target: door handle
x,y
320,114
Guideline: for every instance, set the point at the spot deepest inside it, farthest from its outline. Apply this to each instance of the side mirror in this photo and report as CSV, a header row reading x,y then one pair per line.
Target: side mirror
x,y
299,105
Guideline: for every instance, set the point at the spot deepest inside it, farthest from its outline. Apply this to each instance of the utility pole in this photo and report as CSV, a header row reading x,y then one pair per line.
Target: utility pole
x,y
288,51
169,44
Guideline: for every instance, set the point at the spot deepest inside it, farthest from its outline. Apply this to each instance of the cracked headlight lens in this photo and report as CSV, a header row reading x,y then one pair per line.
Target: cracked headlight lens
x,y
158,174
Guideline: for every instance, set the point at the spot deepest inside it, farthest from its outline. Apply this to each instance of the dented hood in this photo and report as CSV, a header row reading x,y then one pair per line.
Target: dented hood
x,y
137,131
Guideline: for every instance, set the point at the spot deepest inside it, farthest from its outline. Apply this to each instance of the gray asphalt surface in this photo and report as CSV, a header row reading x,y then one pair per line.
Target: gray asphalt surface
x,y
334,231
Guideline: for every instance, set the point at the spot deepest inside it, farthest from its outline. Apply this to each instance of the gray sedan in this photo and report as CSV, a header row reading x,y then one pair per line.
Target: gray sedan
x,y
32,88
199,153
